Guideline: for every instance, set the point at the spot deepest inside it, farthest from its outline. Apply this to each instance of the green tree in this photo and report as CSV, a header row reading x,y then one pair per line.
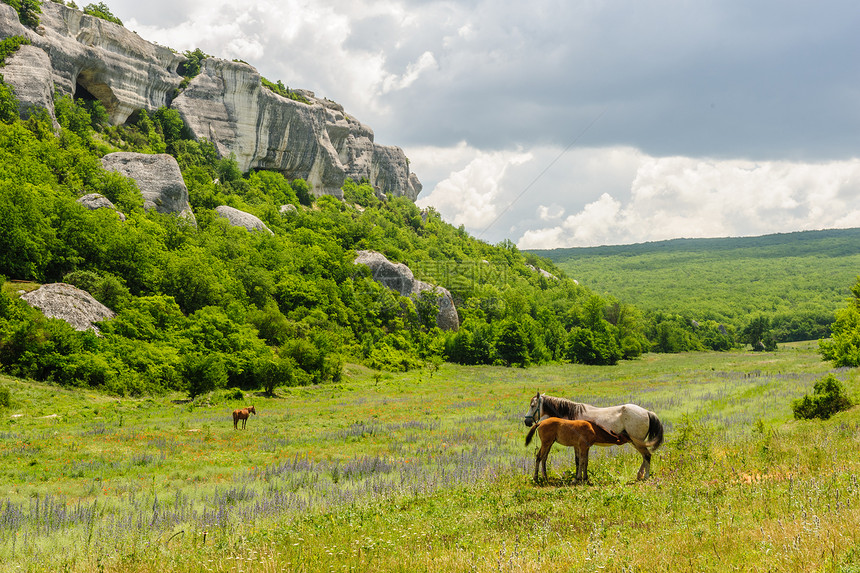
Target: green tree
x,y
202,373
511,347
101,10
303,191
273,372
843,347
595,347
170,125
757,334
359,193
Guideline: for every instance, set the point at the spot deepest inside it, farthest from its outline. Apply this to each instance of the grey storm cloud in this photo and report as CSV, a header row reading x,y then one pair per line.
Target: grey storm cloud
x,y
761,80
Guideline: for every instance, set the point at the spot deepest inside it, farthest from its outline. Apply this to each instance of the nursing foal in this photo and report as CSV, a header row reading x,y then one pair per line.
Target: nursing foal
x,y
579,434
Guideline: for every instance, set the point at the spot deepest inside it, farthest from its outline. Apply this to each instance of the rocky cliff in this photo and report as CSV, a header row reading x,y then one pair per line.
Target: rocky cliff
x,y
72,53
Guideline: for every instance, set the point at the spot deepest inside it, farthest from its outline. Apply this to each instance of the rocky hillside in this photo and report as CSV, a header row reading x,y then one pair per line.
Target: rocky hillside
x,y
226,103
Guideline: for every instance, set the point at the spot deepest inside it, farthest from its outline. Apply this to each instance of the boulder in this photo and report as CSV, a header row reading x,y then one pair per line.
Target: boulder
x,y
239,218
69,303
158,178
288,209
543,273
398,277
93,201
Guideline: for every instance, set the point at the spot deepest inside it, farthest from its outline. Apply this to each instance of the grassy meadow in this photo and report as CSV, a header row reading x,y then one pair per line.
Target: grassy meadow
x,y
413,472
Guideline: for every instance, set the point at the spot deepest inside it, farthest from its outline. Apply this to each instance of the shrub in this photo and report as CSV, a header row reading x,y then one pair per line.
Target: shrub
x,y
8,103
10,45
828,397
192,66
203,373
5,397
234,394
28,11
101,10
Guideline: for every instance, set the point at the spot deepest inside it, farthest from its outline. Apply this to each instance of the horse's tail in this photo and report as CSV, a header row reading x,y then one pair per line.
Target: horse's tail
x,y
531,433
655,432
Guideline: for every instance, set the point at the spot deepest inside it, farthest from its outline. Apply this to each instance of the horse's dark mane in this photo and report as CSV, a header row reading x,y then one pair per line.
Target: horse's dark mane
x,y
562,407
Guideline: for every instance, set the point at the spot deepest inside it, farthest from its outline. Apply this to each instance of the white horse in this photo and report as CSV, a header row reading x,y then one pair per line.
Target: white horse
x,y
642,426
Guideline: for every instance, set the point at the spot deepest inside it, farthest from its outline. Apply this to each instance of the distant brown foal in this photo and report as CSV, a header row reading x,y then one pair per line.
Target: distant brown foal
x,y
579,434
242,415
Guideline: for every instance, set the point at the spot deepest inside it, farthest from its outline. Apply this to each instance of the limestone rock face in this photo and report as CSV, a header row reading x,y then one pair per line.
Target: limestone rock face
x,y
29,71
75,306
158,178
125,72
399,277
226,103
239,218
93,201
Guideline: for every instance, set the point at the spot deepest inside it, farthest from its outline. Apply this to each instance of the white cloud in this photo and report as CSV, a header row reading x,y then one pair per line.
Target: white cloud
x,y
551,212
684,197
472,196
413,71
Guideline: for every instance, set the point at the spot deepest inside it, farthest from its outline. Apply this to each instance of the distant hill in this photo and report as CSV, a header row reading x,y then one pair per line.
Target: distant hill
x,y
796,279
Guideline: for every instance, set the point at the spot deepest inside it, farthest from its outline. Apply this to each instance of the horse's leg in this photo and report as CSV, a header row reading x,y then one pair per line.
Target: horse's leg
x,y
540,460
235,422
585,465
544,454
645,468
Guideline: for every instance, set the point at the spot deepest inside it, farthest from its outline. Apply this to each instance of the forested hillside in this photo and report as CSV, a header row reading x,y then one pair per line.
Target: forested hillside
x,y
793,282
213,305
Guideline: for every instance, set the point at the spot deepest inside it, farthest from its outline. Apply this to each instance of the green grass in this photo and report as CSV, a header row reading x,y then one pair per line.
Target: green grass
x,y
417,473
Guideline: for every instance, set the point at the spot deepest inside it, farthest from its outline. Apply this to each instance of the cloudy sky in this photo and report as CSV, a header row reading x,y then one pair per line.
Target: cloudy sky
x,y
558,123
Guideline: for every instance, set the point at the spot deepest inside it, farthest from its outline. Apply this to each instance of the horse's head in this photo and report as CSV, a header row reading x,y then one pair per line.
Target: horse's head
x,y
251,410
533,414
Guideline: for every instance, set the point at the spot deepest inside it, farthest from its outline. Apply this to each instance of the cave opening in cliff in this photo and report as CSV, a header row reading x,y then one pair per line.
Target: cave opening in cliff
x,y
90,87
83,93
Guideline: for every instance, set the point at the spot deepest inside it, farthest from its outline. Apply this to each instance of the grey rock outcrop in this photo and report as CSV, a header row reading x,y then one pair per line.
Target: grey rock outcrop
x,y
239,218
69,303
398,277
158,178
543,273
93,201
29,70
226,103
317,141
125,72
